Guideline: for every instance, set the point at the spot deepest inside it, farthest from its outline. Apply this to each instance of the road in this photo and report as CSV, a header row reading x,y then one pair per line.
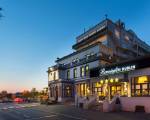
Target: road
x,y
36,111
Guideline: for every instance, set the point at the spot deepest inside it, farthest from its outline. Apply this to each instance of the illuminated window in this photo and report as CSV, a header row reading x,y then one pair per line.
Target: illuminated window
x,y
140,86
97,89
142,79
87,70
83,89
82,72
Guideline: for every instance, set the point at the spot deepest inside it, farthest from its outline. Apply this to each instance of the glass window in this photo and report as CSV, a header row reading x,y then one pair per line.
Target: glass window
x,y
97,89
87,70
68,74
142,79
82,71
68,91
140,86
75,72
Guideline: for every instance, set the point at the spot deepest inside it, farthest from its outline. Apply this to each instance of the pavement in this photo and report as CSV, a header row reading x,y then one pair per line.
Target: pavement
x,y
35,111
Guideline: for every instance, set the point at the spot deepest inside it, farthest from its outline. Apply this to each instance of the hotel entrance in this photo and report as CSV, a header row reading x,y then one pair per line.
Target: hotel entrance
x,y
109,88
115,90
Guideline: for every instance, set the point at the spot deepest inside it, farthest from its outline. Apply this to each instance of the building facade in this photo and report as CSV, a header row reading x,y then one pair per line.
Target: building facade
x,y
88,70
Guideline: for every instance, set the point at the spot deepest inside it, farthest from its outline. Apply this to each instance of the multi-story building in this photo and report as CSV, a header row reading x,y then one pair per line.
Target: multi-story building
x,y
106,44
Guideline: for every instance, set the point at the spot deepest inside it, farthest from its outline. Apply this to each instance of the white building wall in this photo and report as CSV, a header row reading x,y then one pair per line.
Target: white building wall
x,y
91,65
51,75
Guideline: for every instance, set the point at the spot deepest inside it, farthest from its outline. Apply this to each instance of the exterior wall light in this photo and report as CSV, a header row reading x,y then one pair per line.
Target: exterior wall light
x,y
111,80
106,81
116,79
101,81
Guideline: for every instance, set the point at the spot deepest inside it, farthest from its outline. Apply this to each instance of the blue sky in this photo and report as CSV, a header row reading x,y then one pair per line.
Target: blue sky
x,y
34,33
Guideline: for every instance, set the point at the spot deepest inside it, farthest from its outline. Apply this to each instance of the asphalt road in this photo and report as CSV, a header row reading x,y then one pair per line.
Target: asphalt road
x,y
61,112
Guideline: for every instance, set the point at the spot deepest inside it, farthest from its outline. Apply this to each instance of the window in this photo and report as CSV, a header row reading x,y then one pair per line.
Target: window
x,y
82,71
87,70
83,89
68,91
97,89
140,86
68,74
54,76
75,72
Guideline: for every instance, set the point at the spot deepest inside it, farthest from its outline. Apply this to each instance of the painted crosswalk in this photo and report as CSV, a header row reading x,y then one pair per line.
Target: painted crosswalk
x,y
17,106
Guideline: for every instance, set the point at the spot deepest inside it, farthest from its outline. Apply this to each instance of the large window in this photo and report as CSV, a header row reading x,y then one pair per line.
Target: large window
x,y
75,72
140,86
82,89
97,89
68,74
82,71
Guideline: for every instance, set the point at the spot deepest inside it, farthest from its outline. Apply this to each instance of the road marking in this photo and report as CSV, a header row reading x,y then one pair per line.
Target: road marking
x,y
69,116
11,107
19,106
5,108
42,117
26,116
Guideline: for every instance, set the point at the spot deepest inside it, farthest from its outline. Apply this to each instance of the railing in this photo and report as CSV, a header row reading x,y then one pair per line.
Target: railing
x,y
92,31
96,56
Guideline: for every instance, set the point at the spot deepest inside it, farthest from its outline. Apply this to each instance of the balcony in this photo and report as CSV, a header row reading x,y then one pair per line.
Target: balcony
x,y
80,61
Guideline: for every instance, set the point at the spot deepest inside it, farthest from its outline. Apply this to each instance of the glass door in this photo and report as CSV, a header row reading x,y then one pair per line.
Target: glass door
x,y
115,89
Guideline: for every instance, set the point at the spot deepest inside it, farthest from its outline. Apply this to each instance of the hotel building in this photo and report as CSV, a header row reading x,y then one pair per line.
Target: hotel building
x,y
108,60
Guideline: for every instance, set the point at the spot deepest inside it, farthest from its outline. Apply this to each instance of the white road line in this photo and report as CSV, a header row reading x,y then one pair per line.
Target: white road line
x,y
11,107
5,108
42,117
69,116
26,116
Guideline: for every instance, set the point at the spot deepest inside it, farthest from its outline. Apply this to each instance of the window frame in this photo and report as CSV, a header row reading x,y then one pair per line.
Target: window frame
x,y
75,73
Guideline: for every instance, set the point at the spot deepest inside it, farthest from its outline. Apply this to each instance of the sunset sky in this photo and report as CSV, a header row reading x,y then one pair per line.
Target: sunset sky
x,y
33,33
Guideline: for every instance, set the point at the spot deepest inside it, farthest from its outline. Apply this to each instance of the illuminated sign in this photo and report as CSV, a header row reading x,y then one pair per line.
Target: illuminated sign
x,y
115,70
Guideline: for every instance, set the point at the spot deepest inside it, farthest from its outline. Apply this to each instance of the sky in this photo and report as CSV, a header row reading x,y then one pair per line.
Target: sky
x,y
33,33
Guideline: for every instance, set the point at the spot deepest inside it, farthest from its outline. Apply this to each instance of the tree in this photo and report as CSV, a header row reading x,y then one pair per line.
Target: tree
x,y
4,94
34,93
26,94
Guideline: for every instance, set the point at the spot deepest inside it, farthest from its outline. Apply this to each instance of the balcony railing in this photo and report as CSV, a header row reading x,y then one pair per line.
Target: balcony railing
x,y
79,62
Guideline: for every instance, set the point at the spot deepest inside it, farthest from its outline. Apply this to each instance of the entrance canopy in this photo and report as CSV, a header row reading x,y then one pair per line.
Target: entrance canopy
x,y
121,68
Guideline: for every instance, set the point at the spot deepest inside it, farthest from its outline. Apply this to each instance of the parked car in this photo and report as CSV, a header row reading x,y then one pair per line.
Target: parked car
x,y
18,100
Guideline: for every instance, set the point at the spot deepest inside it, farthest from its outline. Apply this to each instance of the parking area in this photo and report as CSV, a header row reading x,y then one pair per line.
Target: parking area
x,y
61,112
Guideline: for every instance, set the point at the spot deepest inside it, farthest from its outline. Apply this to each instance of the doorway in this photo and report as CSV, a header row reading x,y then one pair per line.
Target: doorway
x,y
115,89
